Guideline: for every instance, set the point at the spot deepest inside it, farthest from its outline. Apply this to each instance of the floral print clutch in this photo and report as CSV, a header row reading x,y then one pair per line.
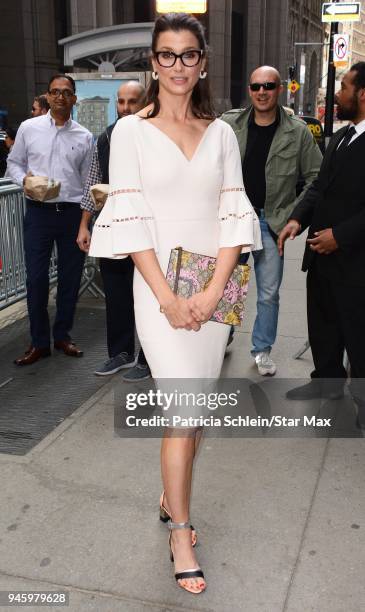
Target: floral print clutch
x,y
189,273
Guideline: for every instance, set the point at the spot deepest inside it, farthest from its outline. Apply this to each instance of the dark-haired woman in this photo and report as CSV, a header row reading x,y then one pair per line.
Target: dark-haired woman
x,y
176,179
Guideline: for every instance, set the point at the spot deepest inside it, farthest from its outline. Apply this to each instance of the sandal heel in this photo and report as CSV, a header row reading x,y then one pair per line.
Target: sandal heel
x,y
164,516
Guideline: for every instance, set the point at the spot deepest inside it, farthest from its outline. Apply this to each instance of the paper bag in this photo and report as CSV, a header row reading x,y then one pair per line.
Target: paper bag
x,y
99,194
42,188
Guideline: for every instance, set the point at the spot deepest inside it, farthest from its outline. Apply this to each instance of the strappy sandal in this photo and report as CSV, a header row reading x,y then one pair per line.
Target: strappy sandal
x,y
189,573
166,516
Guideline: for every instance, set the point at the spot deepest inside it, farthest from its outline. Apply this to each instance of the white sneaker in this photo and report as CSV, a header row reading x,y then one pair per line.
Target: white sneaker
x,y
265,364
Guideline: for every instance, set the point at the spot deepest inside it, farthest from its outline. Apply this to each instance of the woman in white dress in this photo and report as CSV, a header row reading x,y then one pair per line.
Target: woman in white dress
x,y
176,180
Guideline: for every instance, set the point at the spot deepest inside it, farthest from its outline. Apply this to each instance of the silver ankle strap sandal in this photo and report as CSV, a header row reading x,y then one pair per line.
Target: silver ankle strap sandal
x,y
172,525
189,573
165,516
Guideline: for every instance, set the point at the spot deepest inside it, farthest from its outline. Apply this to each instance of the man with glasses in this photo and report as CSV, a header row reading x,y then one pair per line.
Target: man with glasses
x,y
276,151
117,274
53,146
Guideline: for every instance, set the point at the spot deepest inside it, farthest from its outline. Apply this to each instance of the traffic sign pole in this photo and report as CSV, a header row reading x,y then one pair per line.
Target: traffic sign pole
x,y
330,94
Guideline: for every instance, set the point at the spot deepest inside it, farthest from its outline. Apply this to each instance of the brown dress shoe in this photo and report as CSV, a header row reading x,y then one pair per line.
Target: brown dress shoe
x,y
68,347
32,355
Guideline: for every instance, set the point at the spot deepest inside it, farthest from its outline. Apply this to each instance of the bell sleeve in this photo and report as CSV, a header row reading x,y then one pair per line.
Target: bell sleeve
x,y
239,224
125,224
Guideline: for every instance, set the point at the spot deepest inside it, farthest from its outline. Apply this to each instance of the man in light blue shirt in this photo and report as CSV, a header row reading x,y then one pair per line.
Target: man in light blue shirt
x,y
54,146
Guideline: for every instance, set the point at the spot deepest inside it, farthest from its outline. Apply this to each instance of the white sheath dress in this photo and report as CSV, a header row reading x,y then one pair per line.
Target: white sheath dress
x,y
159,200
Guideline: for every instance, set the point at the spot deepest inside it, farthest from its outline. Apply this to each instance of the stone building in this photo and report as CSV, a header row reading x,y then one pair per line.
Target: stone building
x,y
358,39
92,113
108,35
305,26
272,31
29,51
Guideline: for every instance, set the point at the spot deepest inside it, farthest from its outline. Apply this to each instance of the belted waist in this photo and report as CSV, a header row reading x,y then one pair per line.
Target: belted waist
x,y
56,206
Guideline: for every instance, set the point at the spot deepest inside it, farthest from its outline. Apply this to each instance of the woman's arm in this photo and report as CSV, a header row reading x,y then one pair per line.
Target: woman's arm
x,y
204,304
176,309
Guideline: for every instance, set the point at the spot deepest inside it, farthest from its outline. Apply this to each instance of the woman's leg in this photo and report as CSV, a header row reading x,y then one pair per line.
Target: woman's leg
x,y
177,457
197,434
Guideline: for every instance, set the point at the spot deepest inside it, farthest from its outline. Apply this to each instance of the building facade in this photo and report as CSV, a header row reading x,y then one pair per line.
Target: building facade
x,y
45,36
305,26
356,32
92,113
29,53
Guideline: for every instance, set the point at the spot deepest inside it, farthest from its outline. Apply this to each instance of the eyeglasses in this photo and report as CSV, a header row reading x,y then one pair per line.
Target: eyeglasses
x,y
65,93
268,86
190,58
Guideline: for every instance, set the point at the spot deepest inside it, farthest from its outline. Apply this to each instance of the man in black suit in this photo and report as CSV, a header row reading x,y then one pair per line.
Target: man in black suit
x,y
117,274
334,210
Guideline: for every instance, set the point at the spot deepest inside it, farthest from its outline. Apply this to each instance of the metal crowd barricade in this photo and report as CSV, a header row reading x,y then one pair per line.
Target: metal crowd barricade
x,y
12,260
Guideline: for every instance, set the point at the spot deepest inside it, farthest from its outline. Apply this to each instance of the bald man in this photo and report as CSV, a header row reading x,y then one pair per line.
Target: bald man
x,y
276,151
117,274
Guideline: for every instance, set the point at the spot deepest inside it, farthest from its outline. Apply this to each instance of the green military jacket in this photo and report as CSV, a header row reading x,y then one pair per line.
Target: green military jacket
x,y
293,155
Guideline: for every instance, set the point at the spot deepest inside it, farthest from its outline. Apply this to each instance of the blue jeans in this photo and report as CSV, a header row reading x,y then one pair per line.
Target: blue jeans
x,y
269,268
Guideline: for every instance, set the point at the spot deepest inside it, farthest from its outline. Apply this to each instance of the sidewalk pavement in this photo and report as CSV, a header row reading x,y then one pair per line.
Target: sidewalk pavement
x,y
280,521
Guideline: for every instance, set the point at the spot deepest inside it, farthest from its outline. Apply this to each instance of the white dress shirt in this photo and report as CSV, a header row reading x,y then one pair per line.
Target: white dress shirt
x,y
60,153
359,129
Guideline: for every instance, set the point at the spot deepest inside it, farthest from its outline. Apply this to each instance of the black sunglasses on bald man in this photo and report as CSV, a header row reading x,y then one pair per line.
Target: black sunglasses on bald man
x,y
268,86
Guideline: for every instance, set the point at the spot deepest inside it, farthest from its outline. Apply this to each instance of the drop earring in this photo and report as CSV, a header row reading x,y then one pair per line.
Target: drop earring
x,y
203,74
155,76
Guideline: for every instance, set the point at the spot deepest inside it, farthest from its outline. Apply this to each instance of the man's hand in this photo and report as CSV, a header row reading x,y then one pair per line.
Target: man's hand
x,y
289,231
25,184
324,242
83,239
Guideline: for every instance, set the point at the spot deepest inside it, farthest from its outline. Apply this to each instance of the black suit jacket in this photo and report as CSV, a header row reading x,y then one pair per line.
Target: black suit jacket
x,y
336,199
103,144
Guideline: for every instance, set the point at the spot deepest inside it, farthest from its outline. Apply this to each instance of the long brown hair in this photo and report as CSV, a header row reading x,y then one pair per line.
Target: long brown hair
x,y
201,99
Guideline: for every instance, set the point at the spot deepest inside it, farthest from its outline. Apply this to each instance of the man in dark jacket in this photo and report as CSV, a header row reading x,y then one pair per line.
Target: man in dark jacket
x,y
117,274
334,210
276,151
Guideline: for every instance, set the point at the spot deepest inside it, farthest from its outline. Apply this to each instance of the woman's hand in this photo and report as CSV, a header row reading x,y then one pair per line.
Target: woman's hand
x,y
204,303
179,314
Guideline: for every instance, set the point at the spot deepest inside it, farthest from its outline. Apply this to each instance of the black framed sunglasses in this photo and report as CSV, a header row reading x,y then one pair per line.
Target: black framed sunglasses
x,y
190,58
268,86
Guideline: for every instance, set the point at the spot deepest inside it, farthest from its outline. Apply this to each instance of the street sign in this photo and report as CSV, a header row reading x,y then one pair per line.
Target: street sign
x,y
293,86
341,49
175,6
341,11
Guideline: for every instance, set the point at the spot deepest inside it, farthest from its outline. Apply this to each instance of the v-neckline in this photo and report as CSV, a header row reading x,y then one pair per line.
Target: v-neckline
x,y
176,145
